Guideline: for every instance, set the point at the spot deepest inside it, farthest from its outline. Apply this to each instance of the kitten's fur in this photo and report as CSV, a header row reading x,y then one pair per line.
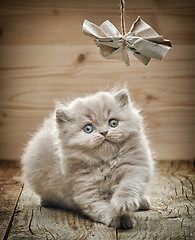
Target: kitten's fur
x,y
106,180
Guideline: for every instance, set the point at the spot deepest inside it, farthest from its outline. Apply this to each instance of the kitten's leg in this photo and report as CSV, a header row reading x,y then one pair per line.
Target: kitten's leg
x,y
102,211
129,193
99,211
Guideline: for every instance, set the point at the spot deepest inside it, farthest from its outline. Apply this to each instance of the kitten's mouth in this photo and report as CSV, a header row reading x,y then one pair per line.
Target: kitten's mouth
x,y
106,141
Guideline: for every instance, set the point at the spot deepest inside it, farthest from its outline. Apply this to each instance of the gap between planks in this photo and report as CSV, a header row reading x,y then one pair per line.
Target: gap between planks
x,y
10,190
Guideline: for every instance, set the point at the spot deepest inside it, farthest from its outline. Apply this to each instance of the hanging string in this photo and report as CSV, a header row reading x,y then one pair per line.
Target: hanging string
x,y
122,8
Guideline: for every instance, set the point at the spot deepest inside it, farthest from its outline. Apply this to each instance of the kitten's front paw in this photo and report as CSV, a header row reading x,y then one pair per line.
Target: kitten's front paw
x,y
124,204
123,221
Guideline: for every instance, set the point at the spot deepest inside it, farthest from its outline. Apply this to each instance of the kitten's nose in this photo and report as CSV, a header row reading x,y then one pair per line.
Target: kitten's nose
x,y
104,133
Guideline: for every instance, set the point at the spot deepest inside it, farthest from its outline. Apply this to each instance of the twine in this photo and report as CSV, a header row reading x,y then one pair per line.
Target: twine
x,y
122,8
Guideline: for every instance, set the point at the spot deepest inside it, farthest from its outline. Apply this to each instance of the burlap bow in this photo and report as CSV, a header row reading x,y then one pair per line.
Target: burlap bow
x,y
141,40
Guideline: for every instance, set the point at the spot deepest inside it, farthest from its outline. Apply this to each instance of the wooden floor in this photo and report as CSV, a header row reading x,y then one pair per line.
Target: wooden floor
x,y
172,215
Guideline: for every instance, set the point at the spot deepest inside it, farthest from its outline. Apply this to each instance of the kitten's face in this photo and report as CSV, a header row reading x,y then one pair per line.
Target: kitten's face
x,y
99,124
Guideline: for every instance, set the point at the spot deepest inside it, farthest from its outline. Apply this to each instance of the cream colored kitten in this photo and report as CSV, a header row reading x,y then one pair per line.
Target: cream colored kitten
x,y
92,155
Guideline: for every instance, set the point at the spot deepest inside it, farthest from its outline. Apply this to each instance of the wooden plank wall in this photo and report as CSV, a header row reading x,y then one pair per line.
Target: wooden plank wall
x,y
44,56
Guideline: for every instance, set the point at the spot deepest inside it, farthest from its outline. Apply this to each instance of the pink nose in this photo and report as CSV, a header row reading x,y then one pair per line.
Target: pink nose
x,y
104,133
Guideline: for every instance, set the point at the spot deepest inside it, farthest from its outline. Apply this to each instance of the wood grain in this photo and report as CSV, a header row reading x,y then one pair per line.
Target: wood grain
x,y
30,85
60,23
35,222
173,205
172,215
44,56
10,189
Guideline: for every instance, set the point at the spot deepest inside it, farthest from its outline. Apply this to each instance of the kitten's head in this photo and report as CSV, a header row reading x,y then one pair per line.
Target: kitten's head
x,y
98,124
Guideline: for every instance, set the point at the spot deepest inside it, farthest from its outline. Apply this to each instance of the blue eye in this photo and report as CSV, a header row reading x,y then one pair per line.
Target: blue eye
x,y
113,123
88,128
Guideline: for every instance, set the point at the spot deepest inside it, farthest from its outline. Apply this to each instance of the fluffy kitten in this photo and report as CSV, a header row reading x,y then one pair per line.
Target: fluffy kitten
x,y
92,155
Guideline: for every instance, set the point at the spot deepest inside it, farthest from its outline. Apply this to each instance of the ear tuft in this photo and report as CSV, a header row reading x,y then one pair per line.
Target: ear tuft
x,y
62,115
122,97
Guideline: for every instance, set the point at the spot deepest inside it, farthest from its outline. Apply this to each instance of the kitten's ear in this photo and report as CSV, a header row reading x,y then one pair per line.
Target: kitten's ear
x,y
62,115
122,97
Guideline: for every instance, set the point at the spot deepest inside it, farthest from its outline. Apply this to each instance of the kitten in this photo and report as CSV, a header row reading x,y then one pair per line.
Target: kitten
x,y
92,155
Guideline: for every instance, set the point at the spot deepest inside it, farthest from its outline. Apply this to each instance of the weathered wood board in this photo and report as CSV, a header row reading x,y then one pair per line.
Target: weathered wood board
x,y
32,221
172,215
10,189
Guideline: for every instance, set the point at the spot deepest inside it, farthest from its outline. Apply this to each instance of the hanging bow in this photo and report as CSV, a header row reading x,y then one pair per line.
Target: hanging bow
x,y
141,40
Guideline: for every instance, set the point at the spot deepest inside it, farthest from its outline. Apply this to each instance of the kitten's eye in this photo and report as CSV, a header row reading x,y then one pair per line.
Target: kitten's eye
x,y
88,128
113,123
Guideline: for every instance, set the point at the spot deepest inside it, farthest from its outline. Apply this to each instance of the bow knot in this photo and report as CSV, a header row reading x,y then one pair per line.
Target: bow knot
x,y
141,40
123,41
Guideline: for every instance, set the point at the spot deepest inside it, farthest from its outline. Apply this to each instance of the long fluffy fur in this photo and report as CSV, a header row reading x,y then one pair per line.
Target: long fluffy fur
x,y
106,180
